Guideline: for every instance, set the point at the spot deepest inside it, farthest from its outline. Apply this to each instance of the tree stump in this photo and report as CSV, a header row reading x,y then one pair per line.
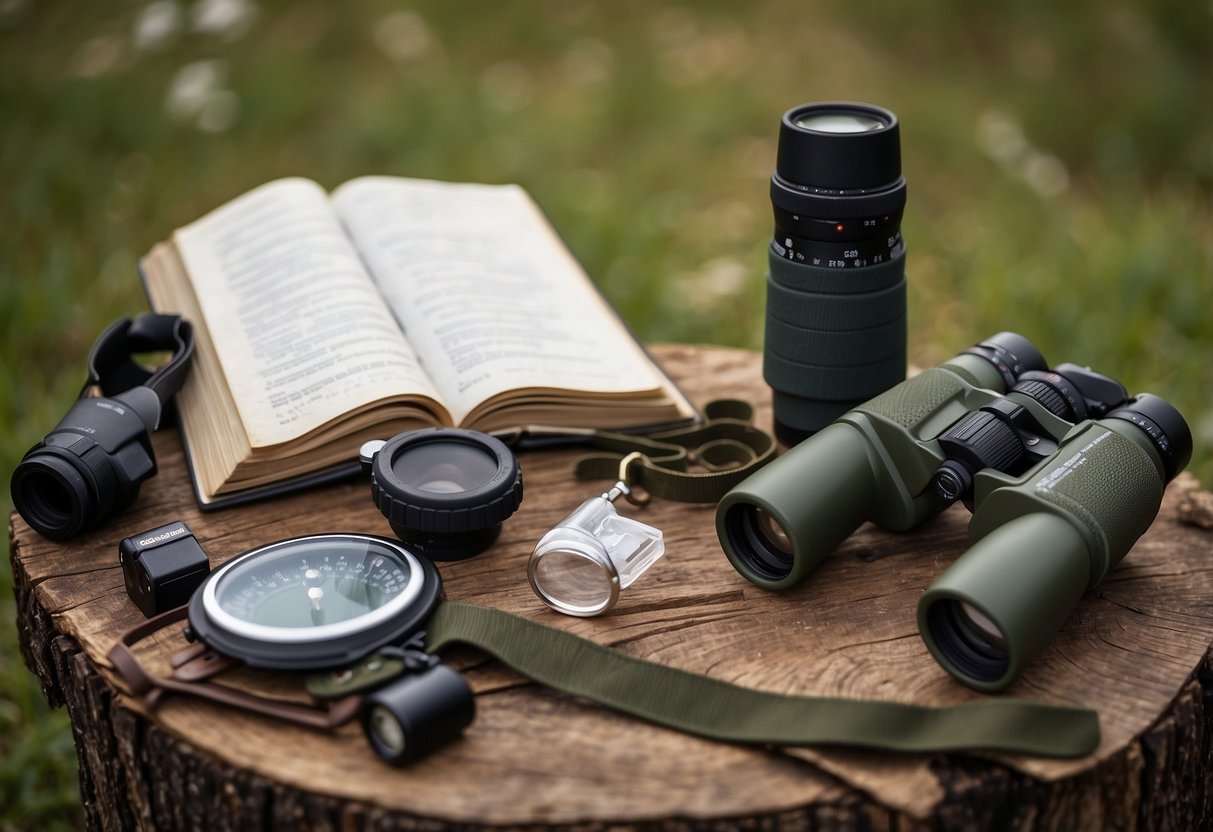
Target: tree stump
x,y
1137,649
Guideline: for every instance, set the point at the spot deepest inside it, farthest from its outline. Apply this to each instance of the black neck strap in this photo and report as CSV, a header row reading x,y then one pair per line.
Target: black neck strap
x,y
111,364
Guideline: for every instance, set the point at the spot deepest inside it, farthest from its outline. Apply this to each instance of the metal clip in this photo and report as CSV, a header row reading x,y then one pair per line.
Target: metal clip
x,y
635,497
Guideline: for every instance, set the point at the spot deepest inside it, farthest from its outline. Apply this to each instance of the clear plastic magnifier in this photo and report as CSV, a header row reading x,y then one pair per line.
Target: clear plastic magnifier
x,y
585,561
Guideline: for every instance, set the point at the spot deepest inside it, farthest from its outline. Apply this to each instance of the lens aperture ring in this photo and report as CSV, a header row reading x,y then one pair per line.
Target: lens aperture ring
x,y
854,255
804,277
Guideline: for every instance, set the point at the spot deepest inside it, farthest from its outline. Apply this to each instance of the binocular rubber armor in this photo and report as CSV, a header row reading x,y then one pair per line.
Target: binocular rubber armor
x,y
1062,470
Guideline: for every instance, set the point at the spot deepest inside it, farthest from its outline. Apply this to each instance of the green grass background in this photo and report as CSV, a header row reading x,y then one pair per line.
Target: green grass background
x,y
1059,159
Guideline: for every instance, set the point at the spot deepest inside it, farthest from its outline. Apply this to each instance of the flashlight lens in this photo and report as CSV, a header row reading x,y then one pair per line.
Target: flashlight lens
x,y
827,122
387,730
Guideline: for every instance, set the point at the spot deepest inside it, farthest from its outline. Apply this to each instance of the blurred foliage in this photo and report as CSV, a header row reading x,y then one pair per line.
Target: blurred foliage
x,y
1060,161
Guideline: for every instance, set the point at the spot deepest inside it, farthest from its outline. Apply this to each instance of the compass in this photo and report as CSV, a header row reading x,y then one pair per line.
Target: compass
x,y
312,603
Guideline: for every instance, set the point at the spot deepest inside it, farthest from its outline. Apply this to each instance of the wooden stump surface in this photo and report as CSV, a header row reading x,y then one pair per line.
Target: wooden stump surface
x,y
1137,649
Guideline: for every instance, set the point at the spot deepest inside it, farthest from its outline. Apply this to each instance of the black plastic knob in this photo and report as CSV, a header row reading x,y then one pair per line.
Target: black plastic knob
x,y
1055,393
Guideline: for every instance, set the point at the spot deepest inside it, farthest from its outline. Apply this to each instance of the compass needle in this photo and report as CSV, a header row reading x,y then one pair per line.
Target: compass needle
x,y
316,594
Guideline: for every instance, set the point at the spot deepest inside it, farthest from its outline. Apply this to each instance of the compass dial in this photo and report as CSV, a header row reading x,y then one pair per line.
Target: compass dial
x,y
314,602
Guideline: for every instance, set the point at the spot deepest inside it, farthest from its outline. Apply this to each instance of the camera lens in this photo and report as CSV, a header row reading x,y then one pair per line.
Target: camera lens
x,y
836,287
442,467
52,496
760,540
446,491
840,122
969,639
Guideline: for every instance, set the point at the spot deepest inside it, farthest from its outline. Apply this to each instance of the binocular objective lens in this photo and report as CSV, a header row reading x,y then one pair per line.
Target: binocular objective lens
x,y
772,533
982,627
387,730
760,540
838,122
969,640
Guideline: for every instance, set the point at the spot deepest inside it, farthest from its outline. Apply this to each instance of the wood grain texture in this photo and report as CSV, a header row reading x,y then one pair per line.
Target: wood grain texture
x,y
1137,649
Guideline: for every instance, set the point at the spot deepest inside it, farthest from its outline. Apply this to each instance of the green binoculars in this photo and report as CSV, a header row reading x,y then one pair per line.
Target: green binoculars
x,y
1062,470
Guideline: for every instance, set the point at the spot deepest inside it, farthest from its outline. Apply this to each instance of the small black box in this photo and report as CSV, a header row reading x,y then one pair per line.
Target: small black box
x,y
162,567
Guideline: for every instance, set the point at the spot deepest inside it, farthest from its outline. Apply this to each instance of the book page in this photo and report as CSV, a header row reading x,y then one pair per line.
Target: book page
x,y
487,293
300,330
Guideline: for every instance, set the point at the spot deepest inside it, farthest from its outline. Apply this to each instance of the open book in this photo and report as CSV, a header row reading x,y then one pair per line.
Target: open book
x,y
323,321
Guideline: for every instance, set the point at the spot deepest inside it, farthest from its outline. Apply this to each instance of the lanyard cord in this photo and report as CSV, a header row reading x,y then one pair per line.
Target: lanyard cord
x,y
725,444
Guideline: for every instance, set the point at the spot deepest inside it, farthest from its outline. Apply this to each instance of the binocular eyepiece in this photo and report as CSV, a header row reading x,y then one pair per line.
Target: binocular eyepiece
x,y
1062,469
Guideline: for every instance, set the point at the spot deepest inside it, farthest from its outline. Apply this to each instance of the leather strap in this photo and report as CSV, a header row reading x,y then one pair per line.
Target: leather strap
x,y
149,687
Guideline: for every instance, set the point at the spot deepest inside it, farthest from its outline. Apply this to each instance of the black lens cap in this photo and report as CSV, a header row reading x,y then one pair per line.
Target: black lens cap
x,y
446,491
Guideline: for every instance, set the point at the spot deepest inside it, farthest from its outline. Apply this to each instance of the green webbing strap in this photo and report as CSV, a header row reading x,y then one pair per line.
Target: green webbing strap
x,y
725,444
718,710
